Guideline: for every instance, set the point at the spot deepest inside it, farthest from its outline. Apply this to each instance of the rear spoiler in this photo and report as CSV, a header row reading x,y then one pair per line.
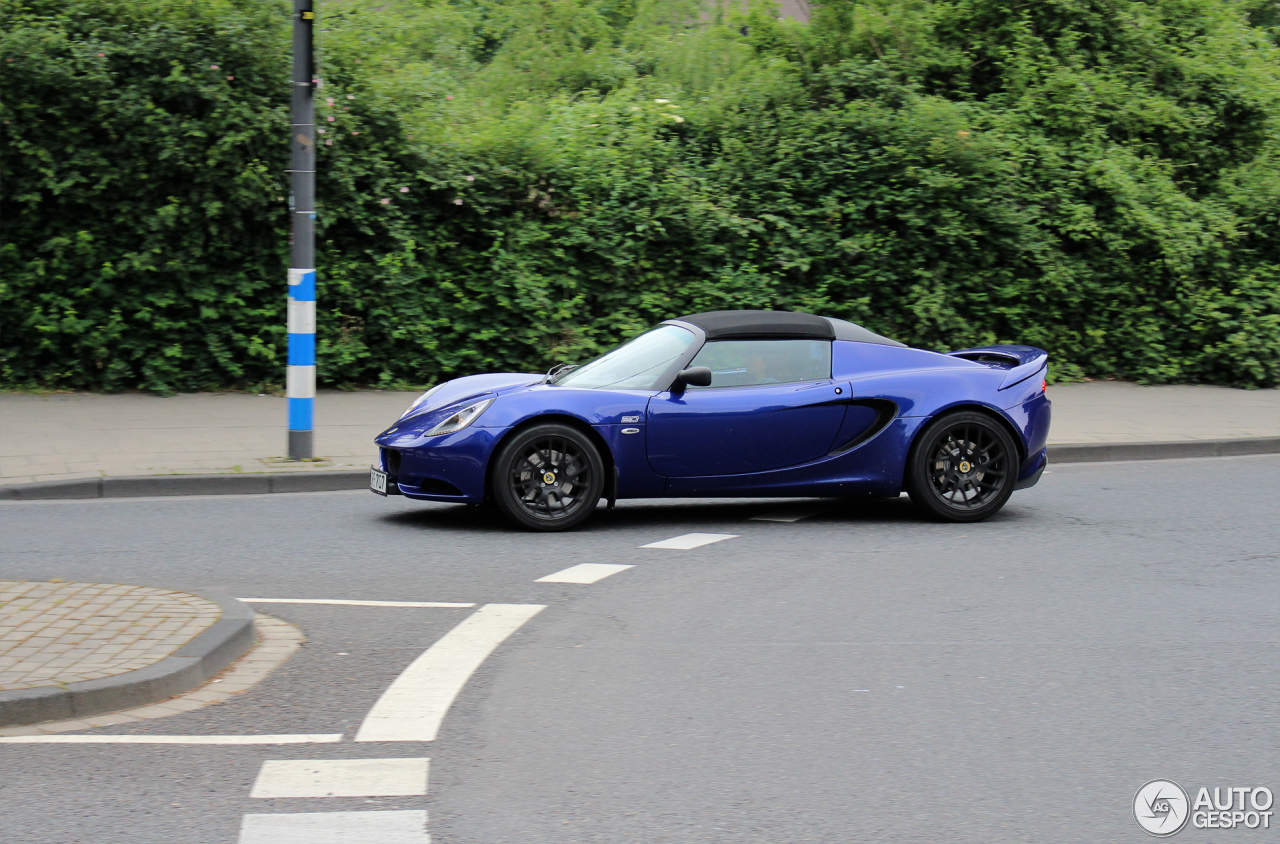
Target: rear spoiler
x,y
1021,361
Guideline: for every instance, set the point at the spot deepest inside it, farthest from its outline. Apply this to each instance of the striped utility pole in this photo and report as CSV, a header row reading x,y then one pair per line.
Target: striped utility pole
x,y
301,378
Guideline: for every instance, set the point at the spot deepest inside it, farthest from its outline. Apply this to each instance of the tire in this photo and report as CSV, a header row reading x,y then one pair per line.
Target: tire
x,y
548,477
937,478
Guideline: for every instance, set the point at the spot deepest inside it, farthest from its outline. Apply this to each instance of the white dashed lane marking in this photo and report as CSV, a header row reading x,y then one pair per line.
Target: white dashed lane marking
x,y
793,514
342,778
398,827
412,708
317,738
690,540
583,573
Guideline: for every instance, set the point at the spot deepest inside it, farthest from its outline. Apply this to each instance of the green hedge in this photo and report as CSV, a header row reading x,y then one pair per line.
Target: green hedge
x,y
514,185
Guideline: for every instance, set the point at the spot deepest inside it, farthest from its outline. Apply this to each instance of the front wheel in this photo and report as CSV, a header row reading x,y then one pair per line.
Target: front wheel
x,y
548,477
962,467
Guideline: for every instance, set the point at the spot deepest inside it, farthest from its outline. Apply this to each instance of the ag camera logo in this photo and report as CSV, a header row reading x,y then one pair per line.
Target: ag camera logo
x,y
1161,808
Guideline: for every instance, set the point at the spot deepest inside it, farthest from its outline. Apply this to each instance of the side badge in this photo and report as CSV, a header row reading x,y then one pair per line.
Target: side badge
x,y
631,419
630,430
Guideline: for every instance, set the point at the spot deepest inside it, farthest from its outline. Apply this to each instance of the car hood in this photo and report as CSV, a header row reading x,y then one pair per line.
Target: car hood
x,y
448,398
474,386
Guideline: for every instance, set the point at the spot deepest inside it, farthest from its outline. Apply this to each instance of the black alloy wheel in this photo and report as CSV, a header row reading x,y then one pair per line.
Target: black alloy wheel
x,y
962,467
548,477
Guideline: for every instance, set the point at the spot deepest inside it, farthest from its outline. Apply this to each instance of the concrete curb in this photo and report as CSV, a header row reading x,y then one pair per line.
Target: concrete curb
x,y
1102,452
265,483
228,639
153,485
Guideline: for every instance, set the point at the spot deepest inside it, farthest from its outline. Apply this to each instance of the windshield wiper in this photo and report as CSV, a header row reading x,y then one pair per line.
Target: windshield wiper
x,y
558,370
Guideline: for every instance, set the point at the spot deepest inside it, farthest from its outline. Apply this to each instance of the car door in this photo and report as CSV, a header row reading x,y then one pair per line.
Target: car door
x,y
771,404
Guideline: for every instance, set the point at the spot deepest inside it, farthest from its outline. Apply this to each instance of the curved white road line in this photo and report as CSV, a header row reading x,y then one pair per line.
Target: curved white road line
x,y
413,706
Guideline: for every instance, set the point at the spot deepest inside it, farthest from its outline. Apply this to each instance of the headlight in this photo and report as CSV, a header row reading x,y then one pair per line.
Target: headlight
x,y
461,419
420,400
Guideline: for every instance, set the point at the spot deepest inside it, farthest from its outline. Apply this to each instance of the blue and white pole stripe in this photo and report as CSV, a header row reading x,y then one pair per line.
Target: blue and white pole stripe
x,y
301,378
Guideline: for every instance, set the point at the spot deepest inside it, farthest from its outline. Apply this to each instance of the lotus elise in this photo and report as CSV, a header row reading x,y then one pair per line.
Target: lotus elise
x,y
731,403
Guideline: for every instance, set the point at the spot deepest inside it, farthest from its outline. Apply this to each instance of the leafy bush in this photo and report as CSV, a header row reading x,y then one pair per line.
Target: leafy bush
x,y
507,186
142,202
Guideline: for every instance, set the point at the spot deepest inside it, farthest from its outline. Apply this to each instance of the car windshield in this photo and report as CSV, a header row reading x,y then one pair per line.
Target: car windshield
x,y
637,365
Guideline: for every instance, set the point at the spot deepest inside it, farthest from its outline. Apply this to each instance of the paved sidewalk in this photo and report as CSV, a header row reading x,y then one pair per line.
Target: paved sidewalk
x,y
68,436
86,435
1120,412
57,633
71,650
277,641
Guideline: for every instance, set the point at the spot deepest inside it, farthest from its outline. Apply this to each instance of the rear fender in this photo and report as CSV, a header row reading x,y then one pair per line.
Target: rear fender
x,y
1019,440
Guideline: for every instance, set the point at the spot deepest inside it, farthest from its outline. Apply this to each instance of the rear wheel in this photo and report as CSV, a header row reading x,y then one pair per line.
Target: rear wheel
x,y
962,467
548,477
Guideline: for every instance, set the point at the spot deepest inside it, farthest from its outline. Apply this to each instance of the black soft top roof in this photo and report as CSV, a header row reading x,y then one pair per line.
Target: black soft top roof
x,y
721,325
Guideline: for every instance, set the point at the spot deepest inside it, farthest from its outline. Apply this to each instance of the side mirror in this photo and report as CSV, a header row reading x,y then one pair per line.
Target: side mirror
x,y
696,376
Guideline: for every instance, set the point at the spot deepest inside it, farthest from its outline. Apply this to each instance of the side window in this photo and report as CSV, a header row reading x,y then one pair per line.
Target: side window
x,y
746,363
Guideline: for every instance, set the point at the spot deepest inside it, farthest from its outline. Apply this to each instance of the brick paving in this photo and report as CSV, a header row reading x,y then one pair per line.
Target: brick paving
x,y
277,641
58,633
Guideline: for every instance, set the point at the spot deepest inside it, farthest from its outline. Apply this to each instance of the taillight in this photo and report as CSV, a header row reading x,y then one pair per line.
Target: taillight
x,y
1044,385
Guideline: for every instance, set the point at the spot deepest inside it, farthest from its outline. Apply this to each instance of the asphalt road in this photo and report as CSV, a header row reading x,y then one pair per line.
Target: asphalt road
x,y
859,675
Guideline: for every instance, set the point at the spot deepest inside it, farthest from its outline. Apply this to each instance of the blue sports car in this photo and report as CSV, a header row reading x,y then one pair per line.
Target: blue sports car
x,y
731,403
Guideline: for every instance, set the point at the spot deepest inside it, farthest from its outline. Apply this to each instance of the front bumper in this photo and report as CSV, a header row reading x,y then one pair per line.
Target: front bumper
x,y
449,468
380,482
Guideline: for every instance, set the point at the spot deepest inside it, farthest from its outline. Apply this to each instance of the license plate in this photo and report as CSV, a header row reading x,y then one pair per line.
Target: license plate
x,y
377,481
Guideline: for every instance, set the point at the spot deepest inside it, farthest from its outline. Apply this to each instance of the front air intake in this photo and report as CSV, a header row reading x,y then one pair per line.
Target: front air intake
x,y
391,461
433,486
